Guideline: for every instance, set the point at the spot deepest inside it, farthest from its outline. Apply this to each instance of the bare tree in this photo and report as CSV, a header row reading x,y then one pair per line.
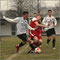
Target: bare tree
x,y
22,5
57,9
19,4
11,14
29,5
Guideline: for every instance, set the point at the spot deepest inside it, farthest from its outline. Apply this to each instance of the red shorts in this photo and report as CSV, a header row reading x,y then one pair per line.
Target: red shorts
x,y
35,33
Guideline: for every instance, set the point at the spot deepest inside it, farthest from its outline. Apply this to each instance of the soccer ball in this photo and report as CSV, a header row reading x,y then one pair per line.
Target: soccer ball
x,y
37,50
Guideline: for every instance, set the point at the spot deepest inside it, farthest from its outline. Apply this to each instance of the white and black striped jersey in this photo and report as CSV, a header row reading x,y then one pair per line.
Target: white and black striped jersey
x,y
21,24
49,20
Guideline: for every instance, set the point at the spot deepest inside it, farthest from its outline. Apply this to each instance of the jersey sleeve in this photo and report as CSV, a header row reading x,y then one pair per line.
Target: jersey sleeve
x,y
34,20
29,27
12,20
44,22
55,21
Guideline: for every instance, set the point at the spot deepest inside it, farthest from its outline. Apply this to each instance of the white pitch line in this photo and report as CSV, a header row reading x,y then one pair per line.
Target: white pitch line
x,y
14,55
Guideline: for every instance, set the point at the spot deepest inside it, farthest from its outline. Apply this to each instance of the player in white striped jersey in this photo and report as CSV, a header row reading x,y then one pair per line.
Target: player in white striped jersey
x,y
50,31
21,24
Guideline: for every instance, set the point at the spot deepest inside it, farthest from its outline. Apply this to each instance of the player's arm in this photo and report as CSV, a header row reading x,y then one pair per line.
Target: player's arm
x,y
30,27
55,22
42,29
44,22
11,20
37,24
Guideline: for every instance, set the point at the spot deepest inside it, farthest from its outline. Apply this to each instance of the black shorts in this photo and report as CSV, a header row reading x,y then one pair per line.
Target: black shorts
x,y
50,32
23,37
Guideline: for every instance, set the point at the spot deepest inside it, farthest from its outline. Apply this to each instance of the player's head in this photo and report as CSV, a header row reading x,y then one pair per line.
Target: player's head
x,y
35,14
49,12
39,17
25,15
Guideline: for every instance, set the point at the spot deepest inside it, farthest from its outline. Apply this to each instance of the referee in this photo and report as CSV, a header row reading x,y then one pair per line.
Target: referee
x,y
21,24
50,31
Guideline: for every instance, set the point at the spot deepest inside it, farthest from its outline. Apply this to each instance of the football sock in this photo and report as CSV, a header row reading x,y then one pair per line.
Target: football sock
x,y
48,41
53,42
20,45
32,47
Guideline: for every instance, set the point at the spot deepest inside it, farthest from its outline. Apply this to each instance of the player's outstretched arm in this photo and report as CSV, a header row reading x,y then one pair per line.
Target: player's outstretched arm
x,y
37,24
30,27
10,20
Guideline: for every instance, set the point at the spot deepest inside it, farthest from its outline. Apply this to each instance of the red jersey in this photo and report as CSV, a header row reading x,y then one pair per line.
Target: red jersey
x,y
32,23
37,30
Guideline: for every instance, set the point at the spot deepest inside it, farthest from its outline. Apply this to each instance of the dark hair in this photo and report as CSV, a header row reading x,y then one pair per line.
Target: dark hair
x,y
35,13
25,12
49,10
39,15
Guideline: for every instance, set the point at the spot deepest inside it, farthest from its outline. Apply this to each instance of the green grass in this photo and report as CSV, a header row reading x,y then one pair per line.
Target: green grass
x,y
8,49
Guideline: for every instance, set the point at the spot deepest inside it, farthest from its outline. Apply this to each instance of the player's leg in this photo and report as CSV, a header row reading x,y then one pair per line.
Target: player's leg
x,y
54,40
40,43
30,43
48,37
54,37
23,37
31,35
39,40
35,41
48,40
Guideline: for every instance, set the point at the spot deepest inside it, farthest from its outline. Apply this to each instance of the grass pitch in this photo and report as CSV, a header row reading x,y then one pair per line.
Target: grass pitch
x,y
8,50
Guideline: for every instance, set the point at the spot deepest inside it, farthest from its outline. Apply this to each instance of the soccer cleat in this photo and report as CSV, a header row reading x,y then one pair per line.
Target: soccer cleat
x,y
29,51
17,48
47,45
32,51
54,48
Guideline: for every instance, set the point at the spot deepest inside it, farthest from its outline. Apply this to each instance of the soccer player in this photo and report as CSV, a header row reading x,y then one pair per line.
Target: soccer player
x,y
35,14
50,31
36,34
21,28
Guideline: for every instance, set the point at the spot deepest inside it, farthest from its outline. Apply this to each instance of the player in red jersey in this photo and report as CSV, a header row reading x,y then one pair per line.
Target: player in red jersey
x,y
36,34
